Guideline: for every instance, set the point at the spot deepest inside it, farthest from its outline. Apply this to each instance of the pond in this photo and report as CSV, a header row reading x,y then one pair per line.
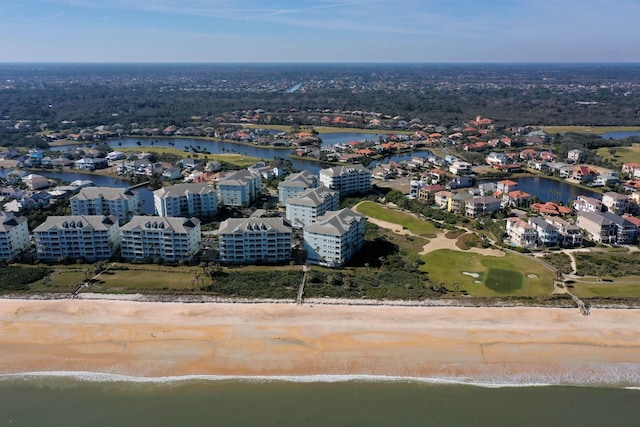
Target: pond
x,y
550,190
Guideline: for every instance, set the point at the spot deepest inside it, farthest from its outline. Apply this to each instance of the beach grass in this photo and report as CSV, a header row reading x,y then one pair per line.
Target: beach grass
x,y
124,281
628,287
403,219
509,275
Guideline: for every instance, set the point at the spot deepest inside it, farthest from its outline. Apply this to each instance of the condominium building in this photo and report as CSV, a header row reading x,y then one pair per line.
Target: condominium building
x,y
92,237
334,238
310,204
14,235
186,200
347,179
254,240
295,184
121,202
154,237
240,188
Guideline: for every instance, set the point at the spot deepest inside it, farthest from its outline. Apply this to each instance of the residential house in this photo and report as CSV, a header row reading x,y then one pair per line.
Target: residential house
x,y
35,181
598,227
426,192
14,236
521,233
88,237
172,174
186,200
506,185
587,204
633,169
497,159
479,205
456,202
615,202
347,179
254,240
625,230
334,238
166,238
295,184
547,233
460,168
575,156
310,204
570,234
441,199
91,164
582,174
459,182
240,188
516,199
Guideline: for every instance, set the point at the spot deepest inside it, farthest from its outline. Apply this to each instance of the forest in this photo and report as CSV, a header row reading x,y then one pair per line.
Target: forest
x,y
50,97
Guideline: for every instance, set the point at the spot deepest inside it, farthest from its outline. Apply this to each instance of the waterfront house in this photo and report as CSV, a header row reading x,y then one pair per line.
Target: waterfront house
x,y
506,185
587,204
186,200
163,238
254,241
334,238
615,202
88,237
35,181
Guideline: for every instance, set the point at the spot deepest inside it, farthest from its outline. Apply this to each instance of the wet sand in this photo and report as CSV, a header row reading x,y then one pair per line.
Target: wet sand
x,y
175,339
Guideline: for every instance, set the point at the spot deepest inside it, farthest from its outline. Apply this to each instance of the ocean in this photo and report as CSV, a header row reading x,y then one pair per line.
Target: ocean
x,y
98,400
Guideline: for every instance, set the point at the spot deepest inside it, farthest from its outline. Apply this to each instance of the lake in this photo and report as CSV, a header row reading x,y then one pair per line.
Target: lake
x,y
549,190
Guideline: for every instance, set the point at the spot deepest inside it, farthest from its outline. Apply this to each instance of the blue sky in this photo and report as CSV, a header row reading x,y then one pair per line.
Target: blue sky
x,y
319,31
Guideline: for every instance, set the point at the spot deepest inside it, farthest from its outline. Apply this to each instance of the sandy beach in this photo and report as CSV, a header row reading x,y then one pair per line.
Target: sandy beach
x,y
176,339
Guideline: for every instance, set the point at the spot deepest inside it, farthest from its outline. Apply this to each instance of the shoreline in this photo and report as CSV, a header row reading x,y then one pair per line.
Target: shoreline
x,y
154,341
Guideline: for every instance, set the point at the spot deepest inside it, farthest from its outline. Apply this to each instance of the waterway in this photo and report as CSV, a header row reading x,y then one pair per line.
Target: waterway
x,y
266,153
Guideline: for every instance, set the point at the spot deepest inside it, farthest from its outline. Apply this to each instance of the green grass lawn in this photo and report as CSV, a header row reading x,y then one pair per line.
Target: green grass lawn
x,y
512,274
621,154
234,159
593,130
403,219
